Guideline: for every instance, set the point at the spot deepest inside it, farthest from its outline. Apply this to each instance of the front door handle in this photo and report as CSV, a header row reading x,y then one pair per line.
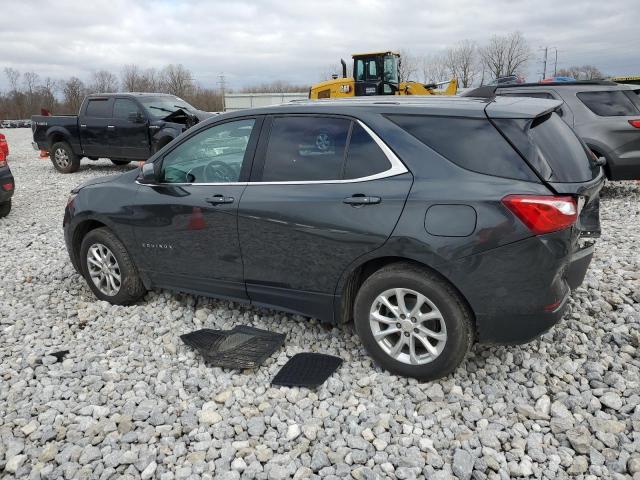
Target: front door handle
x,y
111,127
219,199
361,200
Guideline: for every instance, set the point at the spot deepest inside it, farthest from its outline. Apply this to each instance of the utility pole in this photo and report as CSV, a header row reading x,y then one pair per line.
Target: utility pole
x,y
544,69
222,84
555,63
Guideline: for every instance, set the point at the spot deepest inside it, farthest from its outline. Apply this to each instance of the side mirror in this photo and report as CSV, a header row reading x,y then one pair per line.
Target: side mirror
x,y
148,174
136,117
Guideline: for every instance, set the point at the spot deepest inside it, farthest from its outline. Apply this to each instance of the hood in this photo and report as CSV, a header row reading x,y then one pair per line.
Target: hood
x,y
105,179
187,117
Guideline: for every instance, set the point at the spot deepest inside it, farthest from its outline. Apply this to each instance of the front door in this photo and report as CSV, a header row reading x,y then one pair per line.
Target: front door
x,y
96,127
186,225
323,193
132,130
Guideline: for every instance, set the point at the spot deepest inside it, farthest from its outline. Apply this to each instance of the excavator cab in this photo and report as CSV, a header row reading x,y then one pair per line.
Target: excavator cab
x,y
376,73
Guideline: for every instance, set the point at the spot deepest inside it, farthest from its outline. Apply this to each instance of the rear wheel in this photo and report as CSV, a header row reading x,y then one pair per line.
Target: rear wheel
x,y
63,158
5,208
412,322
108,268
120,162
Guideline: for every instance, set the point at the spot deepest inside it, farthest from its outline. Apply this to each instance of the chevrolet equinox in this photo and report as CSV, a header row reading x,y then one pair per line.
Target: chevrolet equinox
x,y
431,222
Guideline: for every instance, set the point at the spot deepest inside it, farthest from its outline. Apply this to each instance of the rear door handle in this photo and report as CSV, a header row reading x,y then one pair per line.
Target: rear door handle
x,y
361,200
82,125
219,199
111,127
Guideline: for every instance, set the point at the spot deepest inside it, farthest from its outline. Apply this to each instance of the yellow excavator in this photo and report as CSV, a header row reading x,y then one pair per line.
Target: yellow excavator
x,y
376,73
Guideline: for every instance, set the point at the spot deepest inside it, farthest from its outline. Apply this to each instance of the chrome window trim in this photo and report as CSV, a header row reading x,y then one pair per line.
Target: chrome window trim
x,y
397,168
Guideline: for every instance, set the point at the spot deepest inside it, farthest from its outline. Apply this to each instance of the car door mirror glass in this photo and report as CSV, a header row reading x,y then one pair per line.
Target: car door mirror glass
x,y
135,117
148,174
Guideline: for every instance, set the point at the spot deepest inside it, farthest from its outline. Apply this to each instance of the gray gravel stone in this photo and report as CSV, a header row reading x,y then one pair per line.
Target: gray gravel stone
x,y
130,400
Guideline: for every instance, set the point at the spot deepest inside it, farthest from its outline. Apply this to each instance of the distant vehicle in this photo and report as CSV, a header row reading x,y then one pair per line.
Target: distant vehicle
x,y
606,115
5,124
119,126
4,146
558,79
7,184
507,80
628,80
417,218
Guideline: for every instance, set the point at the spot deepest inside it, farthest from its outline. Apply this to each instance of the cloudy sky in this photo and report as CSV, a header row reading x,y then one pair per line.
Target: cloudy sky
x,y
264,40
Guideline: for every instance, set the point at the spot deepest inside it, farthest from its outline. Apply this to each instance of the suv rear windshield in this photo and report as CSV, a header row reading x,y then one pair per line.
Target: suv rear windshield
x,y
471,143
551,147
613,103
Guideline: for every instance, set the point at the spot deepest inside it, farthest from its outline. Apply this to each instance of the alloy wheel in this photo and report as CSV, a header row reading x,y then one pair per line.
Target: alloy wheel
x,y
104,269
408,326
61,158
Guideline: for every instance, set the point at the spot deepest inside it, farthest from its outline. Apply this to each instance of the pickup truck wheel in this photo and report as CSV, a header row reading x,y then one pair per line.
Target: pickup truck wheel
x,y
120,162
5,208
63,158
108,268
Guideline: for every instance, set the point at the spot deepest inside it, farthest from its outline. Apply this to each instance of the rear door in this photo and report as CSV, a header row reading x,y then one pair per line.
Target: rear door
x,y
131,130
96,129
324,190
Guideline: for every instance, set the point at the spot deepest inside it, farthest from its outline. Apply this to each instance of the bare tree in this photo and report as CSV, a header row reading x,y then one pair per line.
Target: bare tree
x,y
408,66
334,69
584,72
13,76
505,55
130,78
462,62
104,82
277,86
176,80
434,68
73,90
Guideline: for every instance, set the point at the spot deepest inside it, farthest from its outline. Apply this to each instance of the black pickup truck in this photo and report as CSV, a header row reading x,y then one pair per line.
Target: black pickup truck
x,y
119,126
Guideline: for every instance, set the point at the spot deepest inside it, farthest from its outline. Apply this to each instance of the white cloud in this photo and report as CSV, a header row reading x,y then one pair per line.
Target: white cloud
x,y
261,41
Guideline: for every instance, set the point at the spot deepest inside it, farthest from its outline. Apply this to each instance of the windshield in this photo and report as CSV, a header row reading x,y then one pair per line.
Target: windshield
x,y
391,68
160,107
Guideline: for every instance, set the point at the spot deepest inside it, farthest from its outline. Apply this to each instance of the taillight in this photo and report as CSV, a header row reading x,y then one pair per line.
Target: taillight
x,y
542,213
7,186
635,123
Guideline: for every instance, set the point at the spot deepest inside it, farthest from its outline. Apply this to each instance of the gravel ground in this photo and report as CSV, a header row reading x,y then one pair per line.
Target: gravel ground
x,y
131,401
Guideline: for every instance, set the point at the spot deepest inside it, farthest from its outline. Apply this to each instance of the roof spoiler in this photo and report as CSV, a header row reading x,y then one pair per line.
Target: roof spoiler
x,y
486,91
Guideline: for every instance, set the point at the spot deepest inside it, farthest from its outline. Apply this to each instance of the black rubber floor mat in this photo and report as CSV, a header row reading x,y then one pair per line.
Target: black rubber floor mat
x,y
240,348
307,370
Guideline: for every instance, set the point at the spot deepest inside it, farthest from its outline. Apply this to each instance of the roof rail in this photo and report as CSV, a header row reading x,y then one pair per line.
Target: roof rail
x,y
486,91
547,84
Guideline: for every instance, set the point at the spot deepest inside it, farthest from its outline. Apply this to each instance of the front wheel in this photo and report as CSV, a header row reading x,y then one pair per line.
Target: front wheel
x,y
108,268
63,158
120,162
412,322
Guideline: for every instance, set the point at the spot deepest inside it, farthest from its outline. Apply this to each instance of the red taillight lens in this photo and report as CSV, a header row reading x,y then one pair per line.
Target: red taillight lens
x,y
635,123
7,186
542,213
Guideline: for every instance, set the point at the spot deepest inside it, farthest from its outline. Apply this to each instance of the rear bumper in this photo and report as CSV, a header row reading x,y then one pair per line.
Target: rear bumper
x,y
518,291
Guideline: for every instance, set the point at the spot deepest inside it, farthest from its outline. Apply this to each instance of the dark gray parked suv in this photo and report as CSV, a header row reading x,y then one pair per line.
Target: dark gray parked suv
x,y
606,115
431,222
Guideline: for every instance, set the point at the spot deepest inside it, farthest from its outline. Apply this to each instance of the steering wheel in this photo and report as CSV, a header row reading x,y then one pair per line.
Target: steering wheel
x,y
219,172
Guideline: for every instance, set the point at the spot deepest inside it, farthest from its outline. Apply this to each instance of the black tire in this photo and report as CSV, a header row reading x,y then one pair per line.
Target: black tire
x,y
120,162
131,287
5,208
63,158
455,314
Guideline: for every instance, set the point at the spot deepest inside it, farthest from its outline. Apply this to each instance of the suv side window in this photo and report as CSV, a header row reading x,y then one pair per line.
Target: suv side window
x,y
613,103
471,143
122,107
306,149
214,155
364,156
98,107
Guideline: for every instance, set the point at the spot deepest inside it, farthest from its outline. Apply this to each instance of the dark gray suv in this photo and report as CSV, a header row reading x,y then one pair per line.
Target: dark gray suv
x,y
606,115
431,222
